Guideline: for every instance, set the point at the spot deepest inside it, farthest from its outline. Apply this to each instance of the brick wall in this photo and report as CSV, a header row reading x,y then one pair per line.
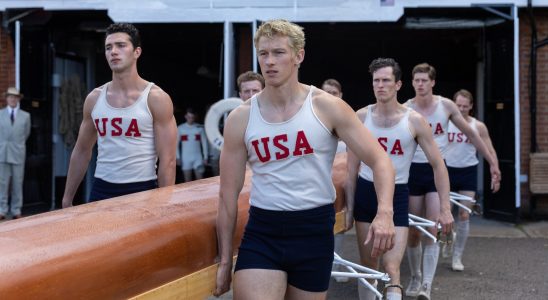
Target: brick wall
x,y
7,64
542,101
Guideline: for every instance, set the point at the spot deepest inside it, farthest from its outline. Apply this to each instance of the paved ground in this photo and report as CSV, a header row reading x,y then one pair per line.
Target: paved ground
x,y
502,261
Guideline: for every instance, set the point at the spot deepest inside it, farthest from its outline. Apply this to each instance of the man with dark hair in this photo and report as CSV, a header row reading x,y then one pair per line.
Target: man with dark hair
x,y
132,121
398,129
249,84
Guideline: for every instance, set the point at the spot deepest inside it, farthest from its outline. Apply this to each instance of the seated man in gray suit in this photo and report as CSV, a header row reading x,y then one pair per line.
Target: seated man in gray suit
x,y
14,131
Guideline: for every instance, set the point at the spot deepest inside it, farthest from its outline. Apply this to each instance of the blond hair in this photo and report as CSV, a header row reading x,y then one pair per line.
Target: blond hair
x,y
281,27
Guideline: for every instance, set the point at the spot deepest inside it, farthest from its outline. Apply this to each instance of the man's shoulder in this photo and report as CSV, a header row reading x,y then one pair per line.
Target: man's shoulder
x,y
157,92
95,93
446,101
408,102
416,119
325,101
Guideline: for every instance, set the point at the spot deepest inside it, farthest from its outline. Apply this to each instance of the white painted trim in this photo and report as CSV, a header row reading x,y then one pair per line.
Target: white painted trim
x,y
517,135
228,60
254,51
216,11
18,55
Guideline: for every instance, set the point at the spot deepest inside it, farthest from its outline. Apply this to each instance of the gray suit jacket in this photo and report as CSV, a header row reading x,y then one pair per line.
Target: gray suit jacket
x,y
13,137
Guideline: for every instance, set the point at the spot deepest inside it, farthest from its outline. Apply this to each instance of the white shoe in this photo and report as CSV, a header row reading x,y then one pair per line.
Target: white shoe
x,y
447,248
413,287
424,293
457,264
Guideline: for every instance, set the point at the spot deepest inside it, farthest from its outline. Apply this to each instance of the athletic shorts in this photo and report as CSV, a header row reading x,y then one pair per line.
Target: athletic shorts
x,y
299,243
365,203
193,164
463,179
104,190
421,179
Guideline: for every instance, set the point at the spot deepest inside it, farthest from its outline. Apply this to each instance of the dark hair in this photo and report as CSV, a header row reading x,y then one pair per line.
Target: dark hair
x,y
424,68
380,63
129,29
249,76
333,82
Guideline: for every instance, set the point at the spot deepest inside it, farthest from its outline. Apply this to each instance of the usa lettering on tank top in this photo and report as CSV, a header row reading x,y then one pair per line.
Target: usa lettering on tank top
x,y
439,122
125,140
291,161
461,152
397,141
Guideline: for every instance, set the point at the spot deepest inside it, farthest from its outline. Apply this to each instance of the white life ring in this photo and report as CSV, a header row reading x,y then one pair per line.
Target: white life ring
x,y
214,115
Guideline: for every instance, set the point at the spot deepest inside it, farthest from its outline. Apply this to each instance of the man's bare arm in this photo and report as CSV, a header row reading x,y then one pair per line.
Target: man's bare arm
x,y
165,135
233,165
81,154
459,121
342,119
441,177
484,134
352,168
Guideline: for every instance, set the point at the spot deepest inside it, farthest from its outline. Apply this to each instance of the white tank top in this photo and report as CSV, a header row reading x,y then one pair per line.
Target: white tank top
x,y
397,141
125,140
291,161
461,152
439,122
192,143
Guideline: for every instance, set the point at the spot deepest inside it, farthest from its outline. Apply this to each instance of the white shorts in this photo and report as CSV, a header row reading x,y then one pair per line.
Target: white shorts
x,y
196,164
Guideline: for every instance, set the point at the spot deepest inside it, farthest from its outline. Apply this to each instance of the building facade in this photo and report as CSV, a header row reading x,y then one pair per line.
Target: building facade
x,y
196,49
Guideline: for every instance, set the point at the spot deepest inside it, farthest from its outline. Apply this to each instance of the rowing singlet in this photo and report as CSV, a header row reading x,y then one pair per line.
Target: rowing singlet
x,y
291,161
461,152
192,143
397,141
125,140
439,122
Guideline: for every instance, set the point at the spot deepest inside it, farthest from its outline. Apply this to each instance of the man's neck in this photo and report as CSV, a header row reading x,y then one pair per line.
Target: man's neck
x,y
387,108
127,81
282,94
424,100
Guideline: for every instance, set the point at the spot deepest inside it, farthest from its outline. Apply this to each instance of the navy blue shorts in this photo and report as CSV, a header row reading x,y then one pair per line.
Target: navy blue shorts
x,y
365,203
463,179
299,243
104,190
421,179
